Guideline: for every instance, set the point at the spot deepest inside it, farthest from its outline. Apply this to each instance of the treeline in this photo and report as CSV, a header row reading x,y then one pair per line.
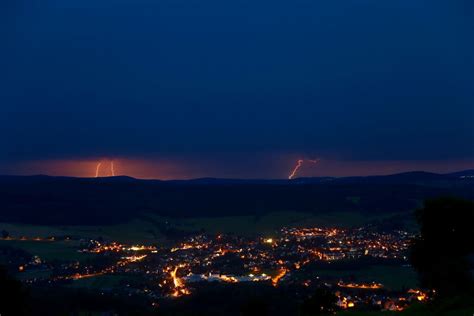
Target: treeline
x,y
75,201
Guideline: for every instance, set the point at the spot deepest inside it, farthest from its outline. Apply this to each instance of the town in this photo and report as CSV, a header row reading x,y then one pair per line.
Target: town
x,y
292,257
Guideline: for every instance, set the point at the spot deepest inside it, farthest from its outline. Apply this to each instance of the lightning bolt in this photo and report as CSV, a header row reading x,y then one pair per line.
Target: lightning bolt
x,y
112,168
299,163
97,170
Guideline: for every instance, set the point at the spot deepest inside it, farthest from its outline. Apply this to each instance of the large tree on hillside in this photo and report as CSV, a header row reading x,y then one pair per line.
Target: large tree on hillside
x,y
442,254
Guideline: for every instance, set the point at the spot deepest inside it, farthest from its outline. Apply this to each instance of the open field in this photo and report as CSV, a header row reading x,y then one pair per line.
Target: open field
x,y
100,282
134,231
392,277
416,310
152,228
49,250
270,223
163,231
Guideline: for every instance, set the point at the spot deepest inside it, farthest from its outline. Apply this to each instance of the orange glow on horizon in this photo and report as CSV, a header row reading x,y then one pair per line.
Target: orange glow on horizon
x,y
175,168
164,169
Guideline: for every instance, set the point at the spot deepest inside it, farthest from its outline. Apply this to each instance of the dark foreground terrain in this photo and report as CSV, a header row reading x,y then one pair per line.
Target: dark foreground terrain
x,y
318,246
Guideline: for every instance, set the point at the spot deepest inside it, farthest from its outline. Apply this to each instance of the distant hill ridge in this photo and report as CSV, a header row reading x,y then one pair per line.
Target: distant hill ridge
x,y
403,177
88,201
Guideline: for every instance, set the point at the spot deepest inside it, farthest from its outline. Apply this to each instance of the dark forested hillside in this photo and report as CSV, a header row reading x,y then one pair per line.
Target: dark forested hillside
x,y
62,200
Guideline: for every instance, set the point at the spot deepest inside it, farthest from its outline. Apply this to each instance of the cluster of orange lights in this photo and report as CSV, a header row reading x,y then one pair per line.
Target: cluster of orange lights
x,y
344,302
79,276
176,274
121,263
279,276
369,286
116,247
420,296
179,286
229,279
186,246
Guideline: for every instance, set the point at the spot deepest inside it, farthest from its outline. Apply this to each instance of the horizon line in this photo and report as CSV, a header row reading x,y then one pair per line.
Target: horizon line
x,y
223,178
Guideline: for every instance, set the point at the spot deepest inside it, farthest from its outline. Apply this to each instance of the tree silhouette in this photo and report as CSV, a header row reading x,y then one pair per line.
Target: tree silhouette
x,y
255,307
322,302
5,234
441,254
12,295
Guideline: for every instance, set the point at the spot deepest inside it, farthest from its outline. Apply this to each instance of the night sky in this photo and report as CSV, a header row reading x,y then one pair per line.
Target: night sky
x,y
194,88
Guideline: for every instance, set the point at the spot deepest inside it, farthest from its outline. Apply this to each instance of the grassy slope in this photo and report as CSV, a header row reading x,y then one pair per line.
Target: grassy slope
x,y
135,231
272,222
392,277
48,250
416,310
148,228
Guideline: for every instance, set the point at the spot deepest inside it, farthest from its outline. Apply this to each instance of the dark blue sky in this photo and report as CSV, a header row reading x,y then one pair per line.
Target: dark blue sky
x,y
215,83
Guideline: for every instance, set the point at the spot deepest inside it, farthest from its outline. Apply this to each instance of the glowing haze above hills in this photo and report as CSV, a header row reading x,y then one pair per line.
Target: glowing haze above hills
x,y
243,89
168,169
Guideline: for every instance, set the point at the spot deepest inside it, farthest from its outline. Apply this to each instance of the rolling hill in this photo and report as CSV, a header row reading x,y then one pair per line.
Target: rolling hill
x,y
90,201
